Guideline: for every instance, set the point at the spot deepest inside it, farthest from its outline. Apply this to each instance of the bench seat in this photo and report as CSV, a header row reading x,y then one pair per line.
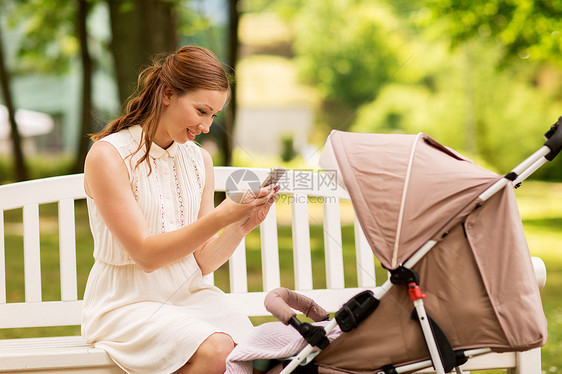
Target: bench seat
x,y
54,354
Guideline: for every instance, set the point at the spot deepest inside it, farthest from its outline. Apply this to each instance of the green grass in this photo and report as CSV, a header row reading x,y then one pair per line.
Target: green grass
x,y
541,211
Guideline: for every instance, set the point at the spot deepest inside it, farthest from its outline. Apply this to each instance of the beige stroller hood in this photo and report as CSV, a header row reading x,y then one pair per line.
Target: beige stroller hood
x,y
479,279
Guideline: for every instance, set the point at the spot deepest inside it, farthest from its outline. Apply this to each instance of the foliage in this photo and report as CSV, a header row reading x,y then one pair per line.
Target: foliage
x,y
495,115
385,67
39,166
48,34
287,148
347,48
540,205
526,28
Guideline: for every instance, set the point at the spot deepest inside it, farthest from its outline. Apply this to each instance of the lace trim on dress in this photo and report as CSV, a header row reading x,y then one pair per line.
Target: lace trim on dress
x,y
179,194
197,172
160,198
136,188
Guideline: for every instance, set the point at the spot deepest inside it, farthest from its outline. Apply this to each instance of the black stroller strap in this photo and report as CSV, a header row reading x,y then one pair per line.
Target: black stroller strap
x,y
449,358
554,142
356,310
314,335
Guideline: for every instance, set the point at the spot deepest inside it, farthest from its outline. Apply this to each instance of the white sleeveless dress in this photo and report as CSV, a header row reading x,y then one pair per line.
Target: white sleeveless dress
x,y
154,322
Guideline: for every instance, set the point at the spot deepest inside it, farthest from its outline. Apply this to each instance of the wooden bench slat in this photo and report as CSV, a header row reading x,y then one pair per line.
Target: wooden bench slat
x,y
302,262
67,250
487,362
32,255
333,244
270,251
237,269
51,190
2,261
331,300
46,313
15,345
365,259
48,353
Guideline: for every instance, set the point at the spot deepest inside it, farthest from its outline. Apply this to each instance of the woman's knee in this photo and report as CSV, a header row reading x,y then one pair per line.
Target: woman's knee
x,y
219,344
215,349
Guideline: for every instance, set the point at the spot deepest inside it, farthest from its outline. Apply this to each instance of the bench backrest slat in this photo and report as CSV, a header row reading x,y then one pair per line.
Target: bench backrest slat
x,y
301,242
237,269
67,251
333,244
42,191
365,258
31,253
2,261
270,251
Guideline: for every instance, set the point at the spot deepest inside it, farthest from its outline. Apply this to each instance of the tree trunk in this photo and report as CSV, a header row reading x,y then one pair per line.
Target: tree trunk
x,y
20,167
86,128
233,46
140,29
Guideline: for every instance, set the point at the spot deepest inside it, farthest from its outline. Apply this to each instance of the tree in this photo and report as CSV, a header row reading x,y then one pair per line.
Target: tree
x,y
86,107
20,168
524,30
233,46
527,29
140,30
55,31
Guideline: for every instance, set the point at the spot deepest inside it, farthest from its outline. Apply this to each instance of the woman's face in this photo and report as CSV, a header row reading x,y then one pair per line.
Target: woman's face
x,y
186,116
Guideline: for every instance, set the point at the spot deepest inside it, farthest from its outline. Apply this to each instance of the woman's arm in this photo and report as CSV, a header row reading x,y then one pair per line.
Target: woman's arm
x,y
107,182
219,248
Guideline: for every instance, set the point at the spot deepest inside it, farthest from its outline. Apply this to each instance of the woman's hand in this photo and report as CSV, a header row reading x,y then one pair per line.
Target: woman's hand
x,y
251,210
270,195
238,219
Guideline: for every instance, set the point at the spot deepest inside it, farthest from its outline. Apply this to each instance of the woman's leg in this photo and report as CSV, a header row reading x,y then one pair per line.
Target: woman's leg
x,y
210,357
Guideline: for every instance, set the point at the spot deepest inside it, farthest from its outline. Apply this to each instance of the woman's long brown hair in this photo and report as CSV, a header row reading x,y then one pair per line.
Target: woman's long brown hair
x,y
190,68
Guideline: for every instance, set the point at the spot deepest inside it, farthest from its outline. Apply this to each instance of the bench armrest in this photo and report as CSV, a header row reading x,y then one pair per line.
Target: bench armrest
x,y
540,271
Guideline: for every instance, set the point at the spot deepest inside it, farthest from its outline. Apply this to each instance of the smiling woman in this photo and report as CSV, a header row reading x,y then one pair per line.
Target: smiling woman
x,y
155,227
182,73
188,115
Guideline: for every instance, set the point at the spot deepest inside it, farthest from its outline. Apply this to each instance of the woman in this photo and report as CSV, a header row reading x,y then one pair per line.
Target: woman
x,y
150,201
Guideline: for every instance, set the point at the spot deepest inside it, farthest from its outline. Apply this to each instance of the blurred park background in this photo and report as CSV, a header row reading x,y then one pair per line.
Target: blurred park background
x,y
483,77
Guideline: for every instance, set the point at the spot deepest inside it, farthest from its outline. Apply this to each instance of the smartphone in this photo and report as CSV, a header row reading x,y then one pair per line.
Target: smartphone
x,y
274,176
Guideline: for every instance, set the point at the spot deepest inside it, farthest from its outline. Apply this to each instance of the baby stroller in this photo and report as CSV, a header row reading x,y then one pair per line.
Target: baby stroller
x,y
450,235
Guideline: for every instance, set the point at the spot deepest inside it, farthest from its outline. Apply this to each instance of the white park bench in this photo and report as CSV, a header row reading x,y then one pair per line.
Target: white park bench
x,y
71,354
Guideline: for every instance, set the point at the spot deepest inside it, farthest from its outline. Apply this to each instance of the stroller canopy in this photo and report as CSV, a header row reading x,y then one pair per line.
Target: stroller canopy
x,y
479,279
405,188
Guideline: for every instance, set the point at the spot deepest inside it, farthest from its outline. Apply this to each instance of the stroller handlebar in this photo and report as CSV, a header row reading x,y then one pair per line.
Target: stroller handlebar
x,y
554,140
282,302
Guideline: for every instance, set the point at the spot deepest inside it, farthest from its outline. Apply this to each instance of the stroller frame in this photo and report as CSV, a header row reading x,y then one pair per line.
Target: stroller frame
x,y
547,152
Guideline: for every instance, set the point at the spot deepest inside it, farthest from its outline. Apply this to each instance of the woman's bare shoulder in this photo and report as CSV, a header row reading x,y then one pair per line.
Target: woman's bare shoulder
x,y
207,158
102,155
104,166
